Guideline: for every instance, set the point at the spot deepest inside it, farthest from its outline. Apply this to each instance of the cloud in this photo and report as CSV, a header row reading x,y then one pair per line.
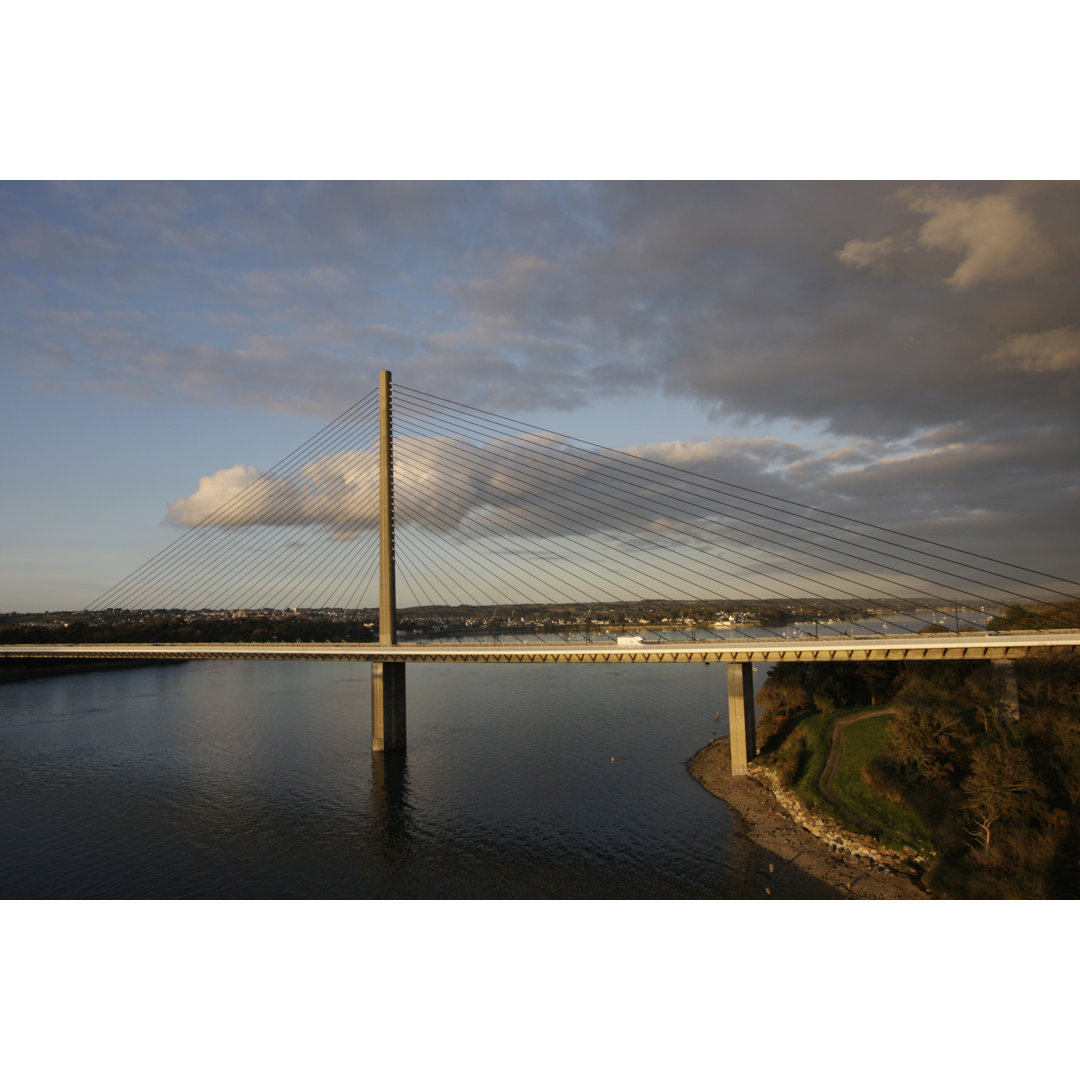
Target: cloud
x,y
220,490
1049,350
724,454
752,298
863,254
337,492
529,484
998,239
437,482
508,295
537,484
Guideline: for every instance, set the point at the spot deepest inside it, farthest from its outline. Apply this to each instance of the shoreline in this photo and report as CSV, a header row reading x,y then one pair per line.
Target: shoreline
x,y
769,826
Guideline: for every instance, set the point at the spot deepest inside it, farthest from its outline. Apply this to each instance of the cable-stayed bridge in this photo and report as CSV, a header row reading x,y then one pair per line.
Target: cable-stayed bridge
x,y
410,506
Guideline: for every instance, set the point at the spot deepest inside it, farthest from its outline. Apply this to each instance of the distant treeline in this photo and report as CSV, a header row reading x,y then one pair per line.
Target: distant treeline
x,y
185,627
1065,615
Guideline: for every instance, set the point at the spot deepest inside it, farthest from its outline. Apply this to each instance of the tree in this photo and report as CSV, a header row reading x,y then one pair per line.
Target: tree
x,y
981,692
1001,785
1016,617
777,701
879,678
926,731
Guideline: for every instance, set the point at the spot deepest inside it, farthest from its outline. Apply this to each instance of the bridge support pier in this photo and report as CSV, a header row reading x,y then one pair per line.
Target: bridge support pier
x,y
740,684
387,706
1006,695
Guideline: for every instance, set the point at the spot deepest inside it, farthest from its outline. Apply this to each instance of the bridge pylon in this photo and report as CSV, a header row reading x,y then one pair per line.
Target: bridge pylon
x,y
387,677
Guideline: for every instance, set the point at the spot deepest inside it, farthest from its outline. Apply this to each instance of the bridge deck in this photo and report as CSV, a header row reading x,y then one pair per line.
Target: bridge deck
x,y
963,646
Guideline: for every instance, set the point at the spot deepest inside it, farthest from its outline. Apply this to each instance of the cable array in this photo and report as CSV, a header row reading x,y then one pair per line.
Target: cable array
x,y
495,513
300,535
537,514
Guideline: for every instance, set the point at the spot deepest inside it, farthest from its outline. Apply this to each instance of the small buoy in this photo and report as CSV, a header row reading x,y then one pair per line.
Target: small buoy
x,y
768,891
612,761
770,868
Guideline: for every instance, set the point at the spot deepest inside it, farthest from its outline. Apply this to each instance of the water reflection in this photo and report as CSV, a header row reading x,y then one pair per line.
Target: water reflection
x,y
390,810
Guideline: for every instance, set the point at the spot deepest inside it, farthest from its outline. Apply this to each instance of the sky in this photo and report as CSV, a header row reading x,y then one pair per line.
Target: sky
x,y
907,353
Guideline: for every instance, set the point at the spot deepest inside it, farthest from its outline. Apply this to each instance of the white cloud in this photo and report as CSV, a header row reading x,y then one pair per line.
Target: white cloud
x,y
1050,350
764,452
863,254
999,241
436,482
212,493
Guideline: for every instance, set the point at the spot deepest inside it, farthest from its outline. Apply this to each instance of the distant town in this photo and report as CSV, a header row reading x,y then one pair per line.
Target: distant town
x,y
339,624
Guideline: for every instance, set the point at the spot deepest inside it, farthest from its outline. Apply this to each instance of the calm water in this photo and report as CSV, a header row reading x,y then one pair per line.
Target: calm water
x,y
256,780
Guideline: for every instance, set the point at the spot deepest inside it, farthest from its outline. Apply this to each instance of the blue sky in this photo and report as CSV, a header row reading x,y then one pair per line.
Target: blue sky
x,y
911,350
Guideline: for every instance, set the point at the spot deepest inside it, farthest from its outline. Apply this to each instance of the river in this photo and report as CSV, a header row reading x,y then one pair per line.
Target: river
x,y
256,780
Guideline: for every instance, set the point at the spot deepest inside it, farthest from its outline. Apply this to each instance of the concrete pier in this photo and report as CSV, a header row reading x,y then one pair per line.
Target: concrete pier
x,y
740,682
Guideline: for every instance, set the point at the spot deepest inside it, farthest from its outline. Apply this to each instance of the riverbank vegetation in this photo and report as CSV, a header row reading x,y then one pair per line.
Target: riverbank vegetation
x,y
928,756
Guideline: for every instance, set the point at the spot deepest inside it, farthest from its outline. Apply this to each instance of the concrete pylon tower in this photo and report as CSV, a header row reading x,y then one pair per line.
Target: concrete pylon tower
x,y
387,677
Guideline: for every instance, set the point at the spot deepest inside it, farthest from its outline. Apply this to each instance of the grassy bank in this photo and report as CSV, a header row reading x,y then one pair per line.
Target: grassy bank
x,y
801,761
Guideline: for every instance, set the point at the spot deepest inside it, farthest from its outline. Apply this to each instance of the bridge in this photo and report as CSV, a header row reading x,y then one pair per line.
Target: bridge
x,y
472,509
998,645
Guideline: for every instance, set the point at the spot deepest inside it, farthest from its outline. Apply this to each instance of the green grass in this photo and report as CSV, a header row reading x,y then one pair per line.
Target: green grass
x,y
895,823
817,735
803,757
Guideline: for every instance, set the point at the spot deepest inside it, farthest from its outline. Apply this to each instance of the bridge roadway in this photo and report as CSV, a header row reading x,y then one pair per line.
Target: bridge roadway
x,y
978,645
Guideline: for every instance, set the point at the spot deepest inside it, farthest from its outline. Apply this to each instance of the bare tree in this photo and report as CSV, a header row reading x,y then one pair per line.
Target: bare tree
x,y
1002,784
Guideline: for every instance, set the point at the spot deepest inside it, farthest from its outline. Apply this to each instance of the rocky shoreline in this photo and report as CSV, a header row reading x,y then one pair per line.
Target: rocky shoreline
x,y
843,861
